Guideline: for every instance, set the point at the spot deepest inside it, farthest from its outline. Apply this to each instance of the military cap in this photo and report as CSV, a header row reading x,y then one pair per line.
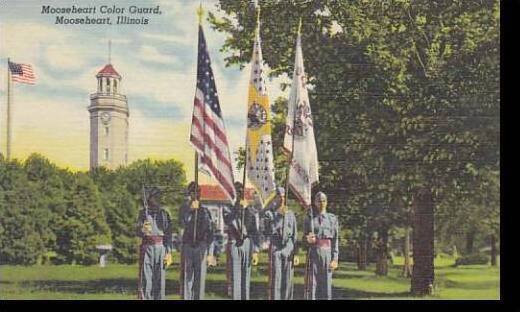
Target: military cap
x,y
152,192
192,187
319,196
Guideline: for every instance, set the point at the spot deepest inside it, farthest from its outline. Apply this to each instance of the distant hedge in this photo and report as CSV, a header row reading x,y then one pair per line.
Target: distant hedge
x,y
472,259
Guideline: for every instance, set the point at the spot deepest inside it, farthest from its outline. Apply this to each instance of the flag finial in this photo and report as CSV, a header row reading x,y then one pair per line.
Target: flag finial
x,y
257,6
200,13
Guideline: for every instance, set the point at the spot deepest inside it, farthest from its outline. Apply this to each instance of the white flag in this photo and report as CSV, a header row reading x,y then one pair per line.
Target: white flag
x,y
299,135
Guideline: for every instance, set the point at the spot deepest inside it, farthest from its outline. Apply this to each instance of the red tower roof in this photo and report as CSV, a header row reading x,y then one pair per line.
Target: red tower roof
x,y
109,70
215,193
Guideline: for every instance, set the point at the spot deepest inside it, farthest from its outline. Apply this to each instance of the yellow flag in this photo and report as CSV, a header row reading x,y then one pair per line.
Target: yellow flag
x,y
260,166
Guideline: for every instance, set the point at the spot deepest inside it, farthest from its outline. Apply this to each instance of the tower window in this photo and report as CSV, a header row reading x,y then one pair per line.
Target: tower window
x,y
100,84
107,131
106,154
115,86
108,85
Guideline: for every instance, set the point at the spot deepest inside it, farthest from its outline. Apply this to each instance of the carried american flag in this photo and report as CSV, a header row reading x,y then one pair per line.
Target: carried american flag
x,y
22,73
208,133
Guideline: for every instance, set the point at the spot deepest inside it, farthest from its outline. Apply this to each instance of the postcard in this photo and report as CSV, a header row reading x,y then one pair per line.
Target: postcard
x,y
249,150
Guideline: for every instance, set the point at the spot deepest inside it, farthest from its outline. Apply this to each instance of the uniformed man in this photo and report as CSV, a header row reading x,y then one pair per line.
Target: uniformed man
x,y
197,245
321,232
280,230
154,226
243,244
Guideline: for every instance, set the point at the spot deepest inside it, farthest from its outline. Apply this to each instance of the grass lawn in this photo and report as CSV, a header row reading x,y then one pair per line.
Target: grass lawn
x,y
119,282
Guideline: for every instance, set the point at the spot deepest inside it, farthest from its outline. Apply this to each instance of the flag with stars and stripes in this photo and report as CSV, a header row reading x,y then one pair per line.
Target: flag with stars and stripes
x,y
299,135
208,133
22,73
260,165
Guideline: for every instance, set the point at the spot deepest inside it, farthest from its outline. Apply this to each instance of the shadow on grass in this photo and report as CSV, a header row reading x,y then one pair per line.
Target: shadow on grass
x,y
217,289
118,285
470,285
353,294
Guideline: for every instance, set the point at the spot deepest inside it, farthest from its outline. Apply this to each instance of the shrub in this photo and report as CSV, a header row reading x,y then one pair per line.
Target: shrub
x,y
472,259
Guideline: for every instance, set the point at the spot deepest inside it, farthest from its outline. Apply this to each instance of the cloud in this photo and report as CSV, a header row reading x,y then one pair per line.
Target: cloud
x,y
151,54
176,39
158,66
63,56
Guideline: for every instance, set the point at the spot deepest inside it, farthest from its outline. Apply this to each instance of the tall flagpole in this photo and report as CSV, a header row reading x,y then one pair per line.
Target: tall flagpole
x,y
9,112
196,196
308,260
200,13
288,170
245,149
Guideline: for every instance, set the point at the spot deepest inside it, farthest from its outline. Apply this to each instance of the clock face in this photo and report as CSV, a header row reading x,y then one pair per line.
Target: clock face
x,y
105,117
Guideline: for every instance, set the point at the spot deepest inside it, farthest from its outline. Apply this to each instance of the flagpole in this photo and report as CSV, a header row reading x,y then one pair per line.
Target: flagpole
x,y
196,196
9,117
308,260
200,13
288,170
245,149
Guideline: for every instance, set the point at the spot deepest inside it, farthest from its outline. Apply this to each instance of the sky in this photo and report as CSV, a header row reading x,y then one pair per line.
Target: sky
x,y
158,65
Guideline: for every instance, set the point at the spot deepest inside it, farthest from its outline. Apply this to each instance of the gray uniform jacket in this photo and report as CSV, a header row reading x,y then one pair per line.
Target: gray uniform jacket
x,y
152,272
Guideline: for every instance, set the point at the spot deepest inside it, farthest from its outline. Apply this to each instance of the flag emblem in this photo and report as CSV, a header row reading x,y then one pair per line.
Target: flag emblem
x,y
303,121
256,117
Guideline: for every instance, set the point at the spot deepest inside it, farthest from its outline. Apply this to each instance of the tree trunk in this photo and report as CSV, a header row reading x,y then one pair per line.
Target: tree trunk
x,y
362,254
382,254
407,267
470,239
493,250
423,248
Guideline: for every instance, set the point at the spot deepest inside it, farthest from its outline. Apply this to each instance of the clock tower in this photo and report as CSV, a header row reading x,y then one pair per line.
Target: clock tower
x,y
108,121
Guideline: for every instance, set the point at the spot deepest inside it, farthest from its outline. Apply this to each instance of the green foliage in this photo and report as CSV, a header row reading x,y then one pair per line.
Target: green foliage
x,y
121,211
24,217
404,95
121,196
50,214
83,224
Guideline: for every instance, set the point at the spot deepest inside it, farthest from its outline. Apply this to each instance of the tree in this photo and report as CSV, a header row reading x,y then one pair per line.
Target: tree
x,y
169,175
48,181
24,222
121,214
404,94
83,226
423,240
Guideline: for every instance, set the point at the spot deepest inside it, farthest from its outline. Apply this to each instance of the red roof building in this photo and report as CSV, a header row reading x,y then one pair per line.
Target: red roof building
x,y
213,193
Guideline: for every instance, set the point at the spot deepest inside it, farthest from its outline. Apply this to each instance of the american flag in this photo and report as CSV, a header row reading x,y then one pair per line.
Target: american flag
x,y
208,133
22,73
